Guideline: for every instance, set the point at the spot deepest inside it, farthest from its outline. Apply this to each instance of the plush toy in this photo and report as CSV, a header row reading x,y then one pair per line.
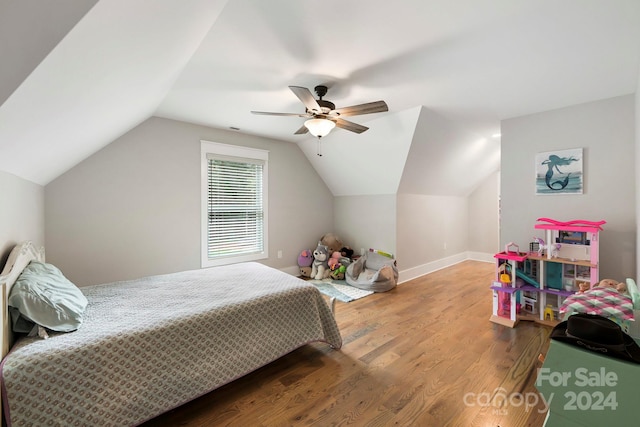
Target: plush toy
x,y
332,242
334,261
612,284
345,261
338,274
320,267
305,271
346,251
583,287
305,259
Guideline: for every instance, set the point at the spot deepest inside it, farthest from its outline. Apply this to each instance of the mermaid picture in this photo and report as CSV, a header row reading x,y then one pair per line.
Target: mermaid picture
x,y
559,172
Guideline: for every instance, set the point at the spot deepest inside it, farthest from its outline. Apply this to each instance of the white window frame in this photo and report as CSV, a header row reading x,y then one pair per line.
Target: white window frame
x,y
215,148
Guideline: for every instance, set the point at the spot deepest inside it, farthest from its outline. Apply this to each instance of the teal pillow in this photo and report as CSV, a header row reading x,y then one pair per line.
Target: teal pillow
x,y
43,296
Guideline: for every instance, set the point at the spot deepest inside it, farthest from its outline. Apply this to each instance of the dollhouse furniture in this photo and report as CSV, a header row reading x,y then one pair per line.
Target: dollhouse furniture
x,y
504,287
541,280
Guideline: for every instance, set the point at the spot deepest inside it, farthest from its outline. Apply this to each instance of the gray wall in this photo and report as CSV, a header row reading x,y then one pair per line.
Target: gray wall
x,y
484,224
423,229
430,228
366,221
442,213
21,215
424,224
605,130
133,208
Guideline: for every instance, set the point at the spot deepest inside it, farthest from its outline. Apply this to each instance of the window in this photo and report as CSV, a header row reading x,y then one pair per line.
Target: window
x,y
234,204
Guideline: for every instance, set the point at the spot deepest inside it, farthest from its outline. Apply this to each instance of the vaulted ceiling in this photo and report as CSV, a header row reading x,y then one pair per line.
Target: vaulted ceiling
x,y
77,74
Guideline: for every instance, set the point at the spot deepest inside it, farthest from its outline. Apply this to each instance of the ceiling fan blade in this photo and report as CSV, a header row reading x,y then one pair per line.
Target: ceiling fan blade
x,y
368,108
306,97
266,113
302,130
347,125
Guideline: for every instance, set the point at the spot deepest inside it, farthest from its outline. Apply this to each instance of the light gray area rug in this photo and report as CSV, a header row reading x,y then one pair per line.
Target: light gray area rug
x,y
339,289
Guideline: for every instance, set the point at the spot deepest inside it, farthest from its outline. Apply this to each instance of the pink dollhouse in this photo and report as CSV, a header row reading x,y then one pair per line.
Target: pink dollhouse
x,y
532,285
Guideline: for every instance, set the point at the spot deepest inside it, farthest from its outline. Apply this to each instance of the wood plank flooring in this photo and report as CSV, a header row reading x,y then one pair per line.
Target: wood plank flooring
x,y
423,354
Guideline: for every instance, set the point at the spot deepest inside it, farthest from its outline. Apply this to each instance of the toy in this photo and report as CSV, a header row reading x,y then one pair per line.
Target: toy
x,y
346,252
554,248
305,259
320,267
332,242
583,287
558,265
612,284
511,245
505,303
334,261
530,304
305,271
338,274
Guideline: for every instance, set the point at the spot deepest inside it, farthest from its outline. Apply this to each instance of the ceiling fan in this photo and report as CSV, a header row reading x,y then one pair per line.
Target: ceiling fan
x,y
323,115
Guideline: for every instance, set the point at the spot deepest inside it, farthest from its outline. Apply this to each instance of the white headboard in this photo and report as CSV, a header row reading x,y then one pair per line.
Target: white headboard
x,y
21,255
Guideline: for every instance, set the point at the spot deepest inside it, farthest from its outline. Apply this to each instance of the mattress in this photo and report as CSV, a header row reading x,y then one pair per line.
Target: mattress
x,y
149,345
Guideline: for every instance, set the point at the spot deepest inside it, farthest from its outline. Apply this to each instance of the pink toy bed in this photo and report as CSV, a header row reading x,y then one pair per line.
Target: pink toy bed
x,y
149,345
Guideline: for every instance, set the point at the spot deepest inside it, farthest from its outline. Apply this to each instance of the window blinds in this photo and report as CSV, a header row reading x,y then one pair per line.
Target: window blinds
x,y
235,207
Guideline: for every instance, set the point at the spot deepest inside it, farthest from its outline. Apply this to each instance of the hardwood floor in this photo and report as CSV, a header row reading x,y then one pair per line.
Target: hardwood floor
x,y
423,354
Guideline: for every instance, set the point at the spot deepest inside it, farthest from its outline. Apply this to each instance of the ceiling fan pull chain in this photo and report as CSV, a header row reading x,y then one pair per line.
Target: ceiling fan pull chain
x,y
319,152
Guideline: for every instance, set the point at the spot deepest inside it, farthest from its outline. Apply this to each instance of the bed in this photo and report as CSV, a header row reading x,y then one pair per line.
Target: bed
x,y
147,346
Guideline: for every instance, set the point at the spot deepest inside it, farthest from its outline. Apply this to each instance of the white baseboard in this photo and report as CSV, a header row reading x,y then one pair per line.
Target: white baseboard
x,y
430,267
481,256
421,270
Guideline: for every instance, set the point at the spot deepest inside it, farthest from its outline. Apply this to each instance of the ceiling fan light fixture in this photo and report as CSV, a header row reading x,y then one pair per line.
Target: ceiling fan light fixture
x,y
319,127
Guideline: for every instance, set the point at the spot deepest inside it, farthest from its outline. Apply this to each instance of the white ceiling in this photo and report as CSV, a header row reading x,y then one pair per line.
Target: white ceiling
x,y
473,62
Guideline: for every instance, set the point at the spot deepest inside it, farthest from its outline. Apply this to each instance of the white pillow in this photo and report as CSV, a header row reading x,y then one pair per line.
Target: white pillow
x,y
19,258
43,296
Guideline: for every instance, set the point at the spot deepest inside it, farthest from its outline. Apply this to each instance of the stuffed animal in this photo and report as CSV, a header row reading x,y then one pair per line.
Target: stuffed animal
x,y
332,242
338,274
305,259
305,271
612,284
346,252
583,287
334,261
320,267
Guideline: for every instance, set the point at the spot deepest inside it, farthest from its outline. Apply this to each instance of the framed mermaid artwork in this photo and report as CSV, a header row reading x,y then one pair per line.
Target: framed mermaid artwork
x,y
559,172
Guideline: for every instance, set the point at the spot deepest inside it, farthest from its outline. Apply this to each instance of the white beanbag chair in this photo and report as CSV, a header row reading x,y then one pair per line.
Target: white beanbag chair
x,y
373,272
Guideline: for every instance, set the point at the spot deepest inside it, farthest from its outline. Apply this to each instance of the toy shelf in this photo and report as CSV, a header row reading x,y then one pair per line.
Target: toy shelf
x,y
528,283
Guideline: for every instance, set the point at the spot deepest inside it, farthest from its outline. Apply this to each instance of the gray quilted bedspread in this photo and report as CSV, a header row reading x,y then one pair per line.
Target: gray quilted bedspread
x,y
149,345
